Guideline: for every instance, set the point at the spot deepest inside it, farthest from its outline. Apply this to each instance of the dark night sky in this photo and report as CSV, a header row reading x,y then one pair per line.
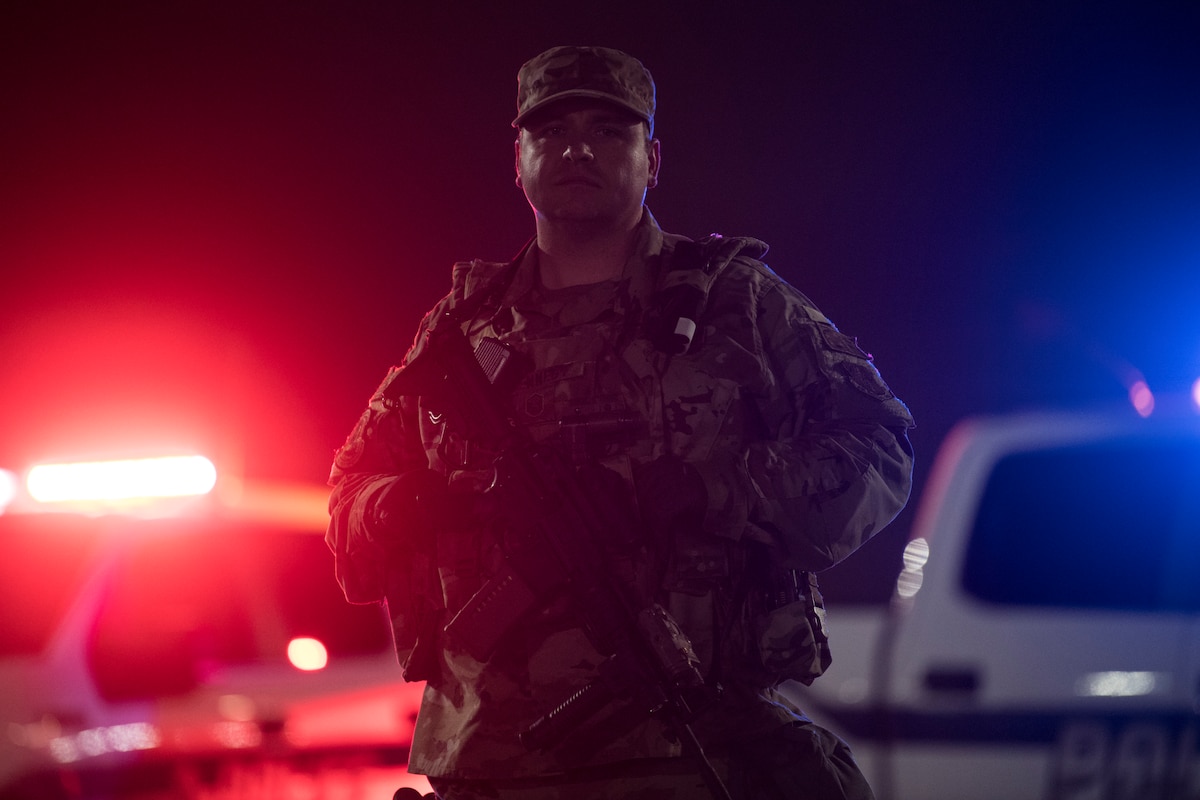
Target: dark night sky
x,y
220,222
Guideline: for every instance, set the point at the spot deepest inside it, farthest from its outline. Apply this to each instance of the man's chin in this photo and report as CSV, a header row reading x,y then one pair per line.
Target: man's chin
x,y
588,216
569,215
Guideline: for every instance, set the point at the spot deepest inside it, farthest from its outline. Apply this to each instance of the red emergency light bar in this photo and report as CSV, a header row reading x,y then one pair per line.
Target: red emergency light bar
x,y
128,479
171,486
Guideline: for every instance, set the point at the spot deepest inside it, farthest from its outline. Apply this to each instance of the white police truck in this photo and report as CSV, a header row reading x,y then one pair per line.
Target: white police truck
x,y
1043,640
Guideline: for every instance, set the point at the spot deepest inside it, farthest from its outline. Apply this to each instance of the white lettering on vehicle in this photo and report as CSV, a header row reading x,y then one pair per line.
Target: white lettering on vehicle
x,y
1137,760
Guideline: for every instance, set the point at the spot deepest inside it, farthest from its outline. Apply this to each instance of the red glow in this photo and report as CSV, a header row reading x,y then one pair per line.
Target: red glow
x,y
300,505
308,654
139,377
8,488
381,715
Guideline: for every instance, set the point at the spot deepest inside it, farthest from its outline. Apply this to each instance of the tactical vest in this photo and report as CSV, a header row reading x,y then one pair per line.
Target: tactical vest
x,y
599,389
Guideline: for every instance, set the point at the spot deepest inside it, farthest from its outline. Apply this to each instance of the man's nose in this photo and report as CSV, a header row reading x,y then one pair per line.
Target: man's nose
x,y
578,151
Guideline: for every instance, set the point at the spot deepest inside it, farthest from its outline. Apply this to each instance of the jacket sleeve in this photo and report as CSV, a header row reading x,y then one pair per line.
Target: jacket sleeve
x,y
385,443
832,464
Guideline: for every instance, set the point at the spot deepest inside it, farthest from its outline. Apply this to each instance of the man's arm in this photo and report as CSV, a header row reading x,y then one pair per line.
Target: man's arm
x,y
835,465
384,444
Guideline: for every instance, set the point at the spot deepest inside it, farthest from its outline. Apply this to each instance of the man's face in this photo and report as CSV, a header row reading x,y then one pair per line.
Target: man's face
x,y
584,161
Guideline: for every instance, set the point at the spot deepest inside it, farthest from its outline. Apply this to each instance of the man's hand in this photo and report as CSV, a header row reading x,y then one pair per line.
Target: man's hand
x,y
411,509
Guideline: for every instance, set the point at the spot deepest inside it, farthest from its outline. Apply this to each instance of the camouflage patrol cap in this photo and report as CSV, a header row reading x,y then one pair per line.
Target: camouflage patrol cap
x,y
598,72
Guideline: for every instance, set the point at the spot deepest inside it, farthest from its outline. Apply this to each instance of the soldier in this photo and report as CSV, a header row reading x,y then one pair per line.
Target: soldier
x,y
732,442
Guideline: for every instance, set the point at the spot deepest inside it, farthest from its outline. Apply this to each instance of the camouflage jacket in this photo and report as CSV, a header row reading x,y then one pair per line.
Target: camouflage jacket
x,y
801,446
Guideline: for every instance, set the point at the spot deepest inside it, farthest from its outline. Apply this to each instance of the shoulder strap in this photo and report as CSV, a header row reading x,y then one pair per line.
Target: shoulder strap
x,y
468,307
682,292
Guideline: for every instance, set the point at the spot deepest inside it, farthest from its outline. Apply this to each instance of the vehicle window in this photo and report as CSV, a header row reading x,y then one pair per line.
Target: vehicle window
x,y
1101,526
47,559
191,599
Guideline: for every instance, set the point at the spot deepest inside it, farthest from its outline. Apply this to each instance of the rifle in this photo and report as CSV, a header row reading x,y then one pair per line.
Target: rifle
x,y
556,549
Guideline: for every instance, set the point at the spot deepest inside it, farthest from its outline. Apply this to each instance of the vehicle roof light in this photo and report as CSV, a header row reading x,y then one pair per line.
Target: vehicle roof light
x,y
170,476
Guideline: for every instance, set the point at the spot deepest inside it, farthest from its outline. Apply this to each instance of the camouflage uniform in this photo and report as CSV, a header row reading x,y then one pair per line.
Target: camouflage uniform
x,y
801,447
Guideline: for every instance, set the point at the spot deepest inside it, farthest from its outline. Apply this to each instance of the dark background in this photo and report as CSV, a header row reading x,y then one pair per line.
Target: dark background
x,y
220,222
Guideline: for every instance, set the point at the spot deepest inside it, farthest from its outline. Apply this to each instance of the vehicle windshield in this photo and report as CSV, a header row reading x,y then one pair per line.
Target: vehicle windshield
x,y
1099,526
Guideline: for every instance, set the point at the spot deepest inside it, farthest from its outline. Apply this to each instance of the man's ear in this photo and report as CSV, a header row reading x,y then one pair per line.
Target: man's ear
x,y
517,157
654,152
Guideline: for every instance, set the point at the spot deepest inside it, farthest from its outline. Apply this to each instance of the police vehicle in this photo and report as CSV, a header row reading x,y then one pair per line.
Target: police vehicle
x,y
168,634
1043,640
